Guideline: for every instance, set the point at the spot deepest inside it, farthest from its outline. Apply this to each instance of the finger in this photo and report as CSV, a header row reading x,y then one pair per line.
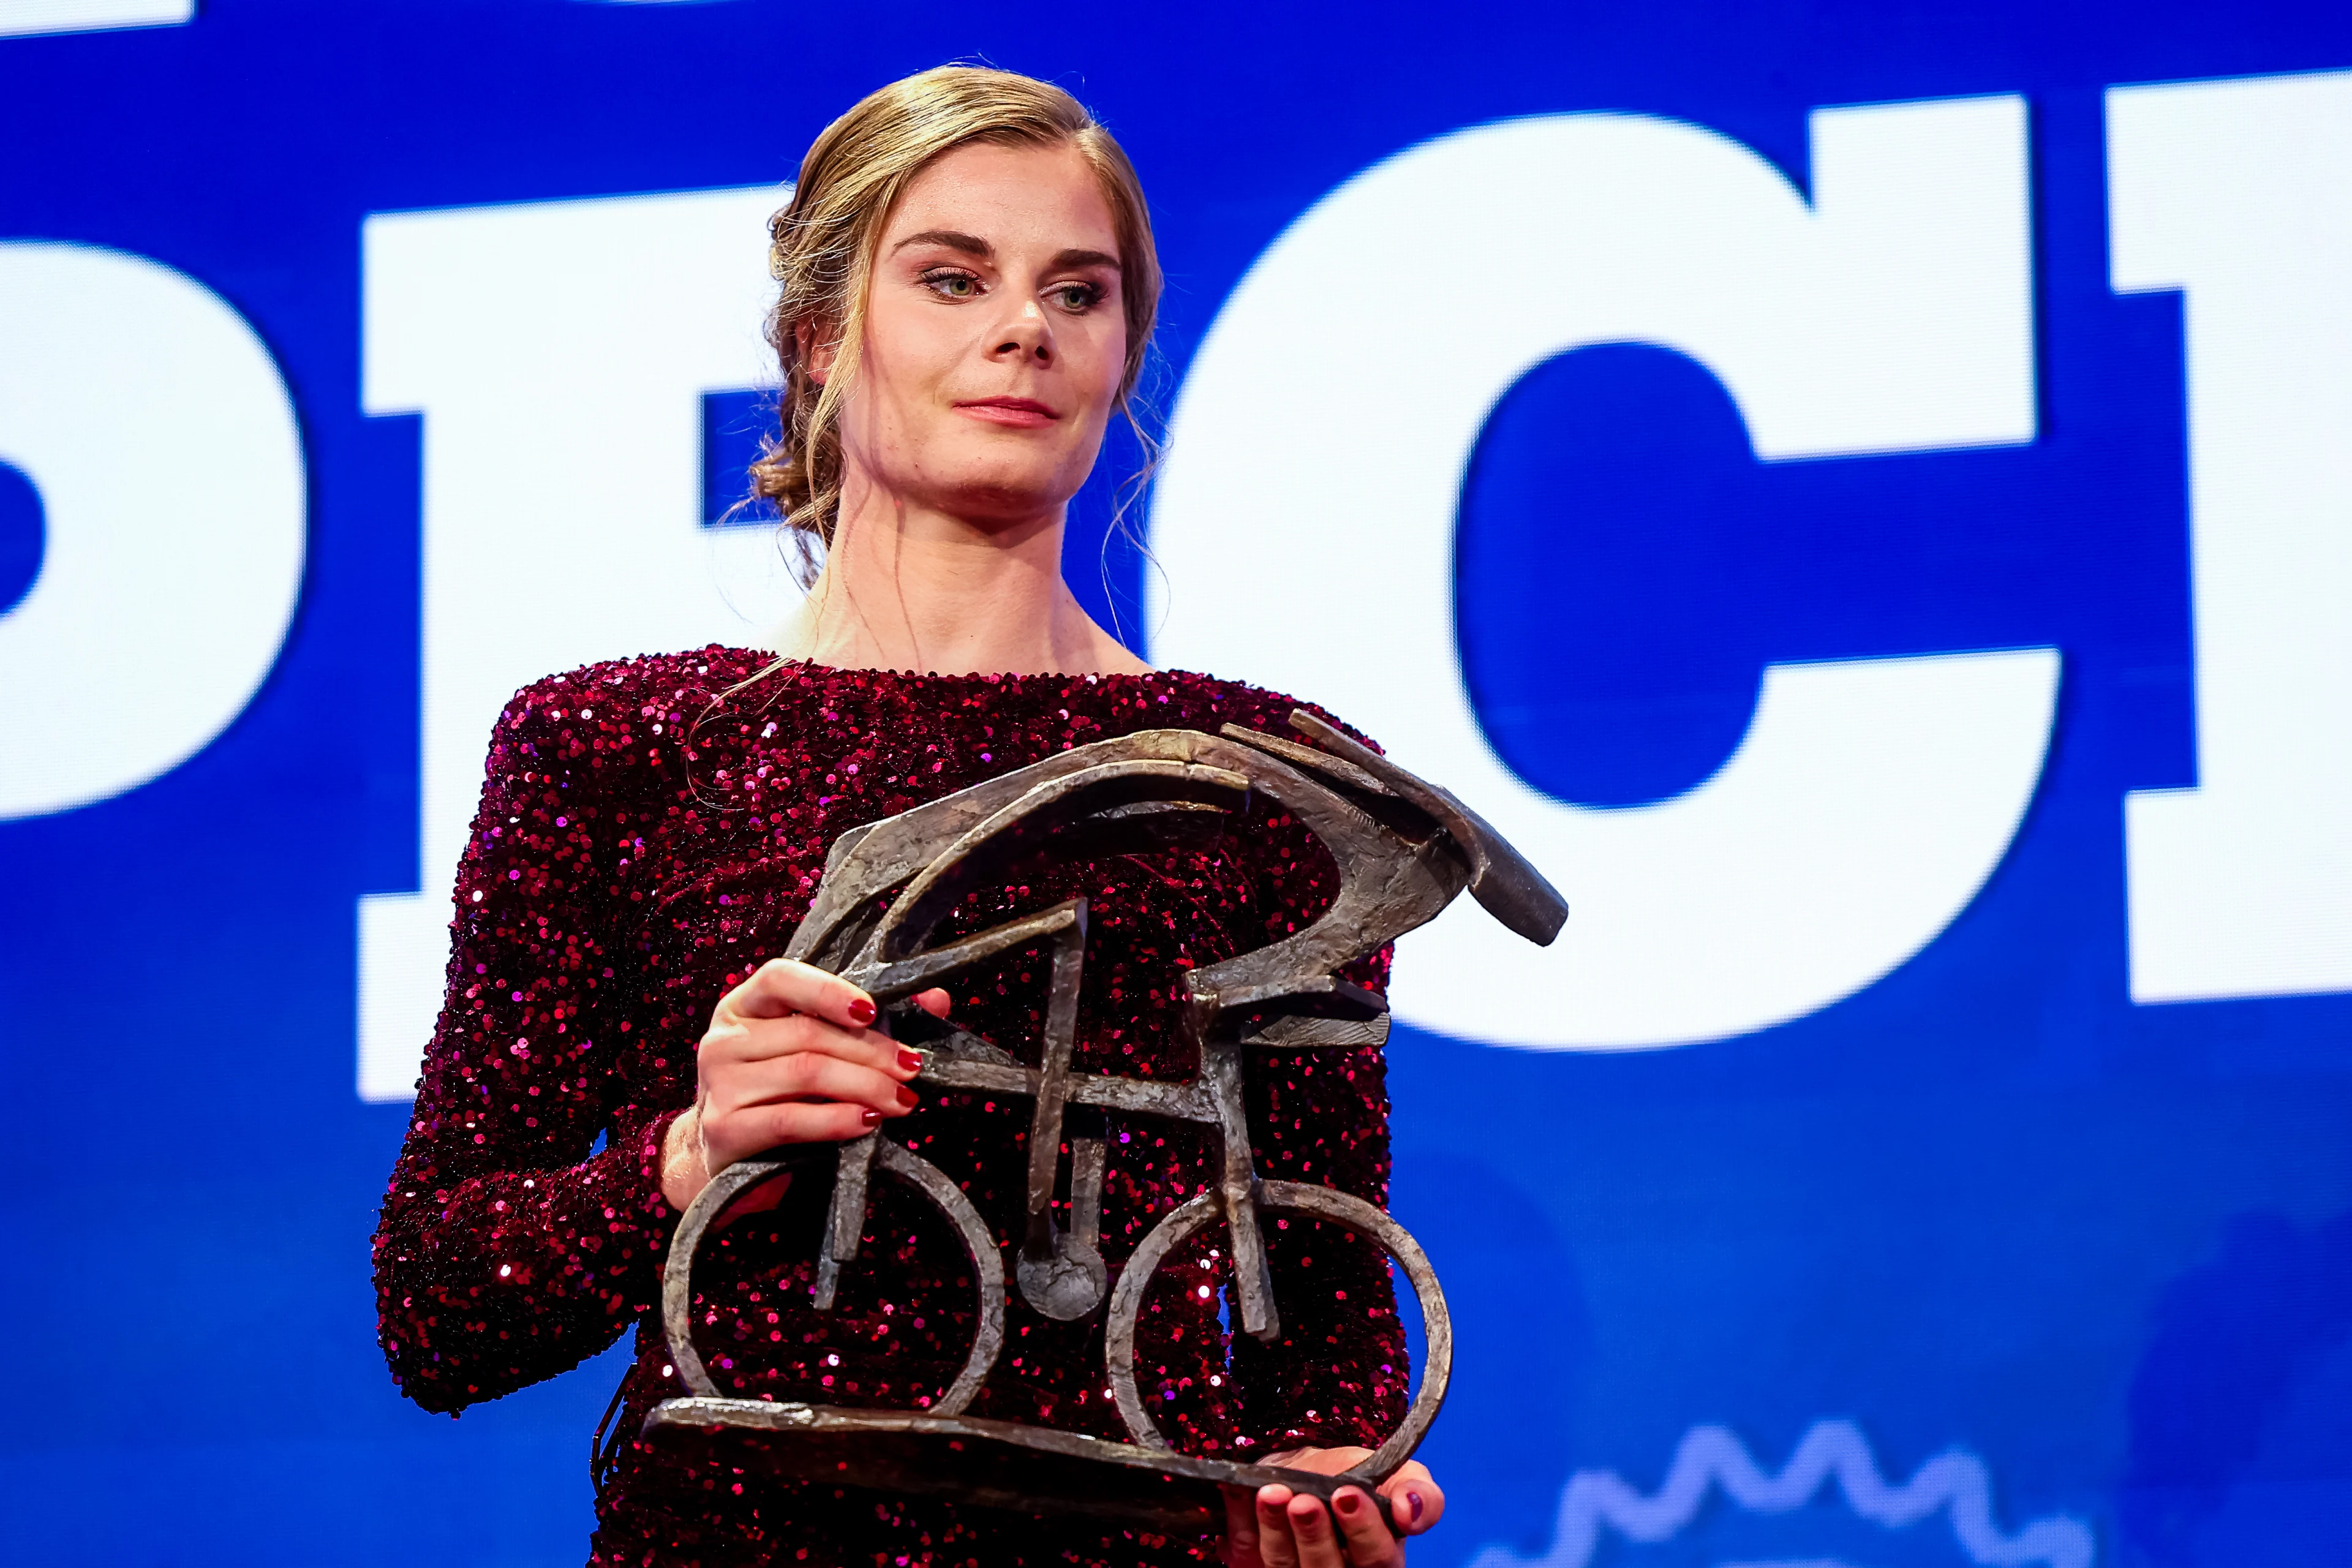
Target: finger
x,y
1417,1502
785,986
1311,1528
934,1002
810,1075
769,1039
773,1126
1276,1548
1364,1532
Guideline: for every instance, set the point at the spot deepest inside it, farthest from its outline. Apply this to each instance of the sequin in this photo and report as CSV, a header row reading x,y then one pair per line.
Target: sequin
x,y
647,836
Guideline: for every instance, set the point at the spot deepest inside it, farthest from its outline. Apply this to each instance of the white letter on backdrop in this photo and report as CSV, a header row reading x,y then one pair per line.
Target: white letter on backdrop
x,y
2239,193
559,353
19,17
158,432
1307,520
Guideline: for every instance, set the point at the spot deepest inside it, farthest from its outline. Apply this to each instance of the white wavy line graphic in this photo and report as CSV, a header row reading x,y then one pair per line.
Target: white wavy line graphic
x,y
1714,1455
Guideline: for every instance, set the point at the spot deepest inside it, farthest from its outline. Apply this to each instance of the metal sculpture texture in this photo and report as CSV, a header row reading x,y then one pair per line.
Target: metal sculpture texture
x,y
1405,849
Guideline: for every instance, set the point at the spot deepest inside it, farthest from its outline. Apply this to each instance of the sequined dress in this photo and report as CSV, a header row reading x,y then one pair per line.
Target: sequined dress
x,y
647,836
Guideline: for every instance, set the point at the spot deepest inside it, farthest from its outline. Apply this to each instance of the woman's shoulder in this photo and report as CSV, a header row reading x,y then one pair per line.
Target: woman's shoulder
x,y
618,724
1199,702
692,674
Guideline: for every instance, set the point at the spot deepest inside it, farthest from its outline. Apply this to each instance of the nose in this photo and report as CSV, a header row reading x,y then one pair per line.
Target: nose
x,y
1027,335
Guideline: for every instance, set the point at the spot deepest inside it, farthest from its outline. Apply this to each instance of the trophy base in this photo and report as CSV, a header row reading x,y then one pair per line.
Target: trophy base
x,y
981,1463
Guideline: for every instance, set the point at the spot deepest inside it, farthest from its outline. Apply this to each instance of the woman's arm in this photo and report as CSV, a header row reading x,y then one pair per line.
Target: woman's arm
x,y
1338,1374
1333,1386
507,1251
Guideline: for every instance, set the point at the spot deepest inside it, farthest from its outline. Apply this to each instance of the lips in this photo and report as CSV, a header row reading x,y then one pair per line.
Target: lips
x,y
1017,412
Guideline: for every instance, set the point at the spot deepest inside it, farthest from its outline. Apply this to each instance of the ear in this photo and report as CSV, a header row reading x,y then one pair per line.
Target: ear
x,y
817,349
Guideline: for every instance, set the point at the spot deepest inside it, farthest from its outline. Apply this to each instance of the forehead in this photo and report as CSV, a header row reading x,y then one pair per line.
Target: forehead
x,y
1013,197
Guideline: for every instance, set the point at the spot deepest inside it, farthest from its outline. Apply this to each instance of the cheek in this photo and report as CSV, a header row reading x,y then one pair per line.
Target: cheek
x,y
907,353
1106,363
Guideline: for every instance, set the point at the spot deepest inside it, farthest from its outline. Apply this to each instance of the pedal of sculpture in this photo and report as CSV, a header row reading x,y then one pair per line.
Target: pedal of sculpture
x,y
1405,849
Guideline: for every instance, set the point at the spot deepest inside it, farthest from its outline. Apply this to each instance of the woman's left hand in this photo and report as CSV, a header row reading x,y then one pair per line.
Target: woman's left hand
x,y
1282,1529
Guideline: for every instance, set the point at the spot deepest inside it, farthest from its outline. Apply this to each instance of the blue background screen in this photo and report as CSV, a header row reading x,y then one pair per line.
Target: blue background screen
x,y
2029,1242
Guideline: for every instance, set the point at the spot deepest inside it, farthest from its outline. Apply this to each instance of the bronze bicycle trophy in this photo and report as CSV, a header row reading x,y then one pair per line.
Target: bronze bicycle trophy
x,y
1405,849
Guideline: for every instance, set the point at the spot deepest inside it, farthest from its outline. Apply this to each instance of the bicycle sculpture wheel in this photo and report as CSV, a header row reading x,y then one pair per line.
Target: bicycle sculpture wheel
x,y
1404,849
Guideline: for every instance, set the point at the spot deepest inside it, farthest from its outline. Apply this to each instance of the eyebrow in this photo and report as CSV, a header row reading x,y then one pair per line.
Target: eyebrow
x,y
974,245
954,239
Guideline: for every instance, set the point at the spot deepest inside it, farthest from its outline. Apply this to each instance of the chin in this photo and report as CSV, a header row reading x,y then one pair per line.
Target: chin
x,y
992,507
1006,491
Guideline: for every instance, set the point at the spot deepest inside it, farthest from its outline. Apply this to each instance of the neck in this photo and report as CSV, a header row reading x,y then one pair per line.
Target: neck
x,y
905,587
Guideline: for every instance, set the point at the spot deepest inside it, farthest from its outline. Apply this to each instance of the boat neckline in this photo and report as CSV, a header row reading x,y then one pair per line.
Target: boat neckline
x,y
811,667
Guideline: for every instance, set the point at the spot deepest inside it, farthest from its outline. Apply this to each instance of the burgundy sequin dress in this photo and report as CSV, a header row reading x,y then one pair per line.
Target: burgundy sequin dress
x,y
638,852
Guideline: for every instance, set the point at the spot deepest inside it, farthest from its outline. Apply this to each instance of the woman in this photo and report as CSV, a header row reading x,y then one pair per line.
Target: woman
x,y
968,286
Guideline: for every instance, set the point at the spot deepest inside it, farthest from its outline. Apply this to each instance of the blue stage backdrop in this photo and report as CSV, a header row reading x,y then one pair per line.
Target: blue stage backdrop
x,y
1861,491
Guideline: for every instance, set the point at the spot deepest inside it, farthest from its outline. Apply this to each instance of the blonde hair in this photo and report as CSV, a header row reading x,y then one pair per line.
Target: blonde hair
x,y
823,245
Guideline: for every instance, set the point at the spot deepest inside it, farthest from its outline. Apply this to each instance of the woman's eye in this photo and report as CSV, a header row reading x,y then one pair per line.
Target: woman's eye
x,y
1075,296
951,285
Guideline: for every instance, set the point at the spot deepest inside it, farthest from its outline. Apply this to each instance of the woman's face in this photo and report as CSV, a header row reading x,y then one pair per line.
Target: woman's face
x,y
995,336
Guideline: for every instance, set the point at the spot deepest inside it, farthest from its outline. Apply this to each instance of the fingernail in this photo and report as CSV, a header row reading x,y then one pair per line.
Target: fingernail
x,y
871,1118
911,1061
1347,1503
861,1010
1414,1499
908,1097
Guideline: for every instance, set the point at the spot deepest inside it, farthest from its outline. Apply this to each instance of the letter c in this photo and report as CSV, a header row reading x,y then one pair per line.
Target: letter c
x,y
1306,522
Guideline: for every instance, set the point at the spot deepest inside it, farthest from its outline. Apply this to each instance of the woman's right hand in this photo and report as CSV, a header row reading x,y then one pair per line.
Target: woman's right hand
x,y
790,1057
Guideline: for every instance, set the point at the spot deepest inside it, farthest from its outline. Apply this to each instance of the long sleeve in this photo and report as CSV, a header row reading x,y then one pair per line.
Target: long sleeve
x,y
1338,1374
511,1248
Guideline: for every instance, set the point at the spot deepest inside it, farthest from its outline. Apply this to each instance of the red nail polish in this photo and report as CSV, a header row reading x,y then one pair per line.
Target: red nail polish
x,y
1347,1503
907,1099
911,1061
862,1011
871,1118
1414,1498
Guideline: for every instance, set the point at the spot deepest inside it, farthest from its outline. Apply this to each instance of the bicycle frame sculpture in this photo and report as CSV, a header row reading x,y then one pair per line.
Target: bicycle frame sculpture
x,y
1404,848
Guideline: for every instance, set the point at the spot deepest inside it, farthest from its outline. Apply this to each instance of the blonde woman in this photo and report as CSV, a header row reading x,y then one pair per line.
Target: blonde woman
x,y
969,286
